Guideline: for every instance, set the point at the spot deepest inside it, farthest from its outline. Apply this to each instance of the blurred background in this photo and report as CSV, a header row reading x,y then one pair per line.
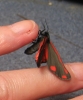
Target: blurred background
x,y
64,18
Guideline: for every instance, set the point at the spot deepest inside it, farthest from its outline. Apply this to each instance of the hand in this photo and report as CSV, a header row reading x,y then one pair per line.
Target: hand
x,y
33,83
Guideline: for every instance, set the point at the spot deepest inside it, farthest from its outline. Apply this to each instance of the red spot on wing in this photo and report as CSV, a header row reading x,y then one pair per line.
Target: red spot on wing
x,y
64,76
53,68
36,56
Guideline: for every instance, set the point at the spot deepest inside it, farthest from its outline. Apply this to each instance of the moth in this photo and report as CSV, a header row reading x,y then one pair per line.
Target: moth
x,y
47,53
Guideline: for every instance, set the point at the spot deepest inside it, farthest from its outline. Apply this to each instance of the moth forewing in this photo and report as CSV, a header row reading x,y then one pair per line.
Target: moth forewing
x,y
55,63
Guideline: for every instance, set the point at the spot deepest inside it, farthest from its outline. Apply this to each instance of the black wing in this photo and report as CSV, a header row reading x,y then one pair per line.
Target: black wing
x,y
55,63
32,49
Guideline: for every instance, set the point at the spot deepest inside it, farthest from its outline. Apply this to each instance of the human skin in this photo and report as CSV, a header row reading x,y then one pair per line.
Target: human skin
x,y
33,83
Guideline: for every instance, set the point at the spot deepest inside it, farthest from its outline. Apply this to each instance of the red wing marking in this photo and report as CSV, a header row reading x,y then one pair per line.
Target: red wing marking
x,y
42,53
36,56
55,63
64,76
53,68
38,52
65,70
46,52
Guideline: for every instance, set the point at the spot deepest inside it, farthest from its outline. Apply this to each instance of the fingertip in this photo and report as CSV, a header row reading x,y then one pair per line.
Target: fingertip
x,y
25,26
77,70
15,36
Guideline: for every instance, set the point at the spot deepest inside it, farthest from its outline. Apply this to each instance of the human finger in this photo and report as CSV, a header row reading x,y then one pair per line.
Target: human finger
x,y
35,83
13,37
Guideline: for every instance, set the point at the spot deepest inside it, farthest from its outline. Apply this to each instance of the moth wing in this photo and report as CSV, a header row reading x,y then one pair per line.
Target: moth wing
x,y
55,63
41,53
32,49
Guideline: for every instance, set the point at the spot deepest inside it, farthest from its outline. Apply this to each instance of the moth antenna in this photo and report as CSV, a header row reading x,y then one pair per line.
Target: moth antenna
x,y
47,31
46,25
22,16
43,28
68,41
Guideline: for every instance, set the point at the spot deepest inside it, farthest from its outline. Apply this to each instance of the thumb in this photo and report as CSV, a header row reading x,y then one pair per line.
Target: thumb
x,y
13,37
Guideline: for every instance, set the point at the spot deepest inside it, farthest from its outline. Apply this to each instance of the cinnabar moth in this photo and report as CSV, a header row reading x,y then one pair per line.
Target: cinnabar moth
x,y
47,53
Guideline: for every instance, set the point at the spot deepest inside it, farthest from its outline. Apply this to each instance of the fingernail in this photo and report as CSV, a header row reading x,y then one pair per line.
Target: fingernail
x,y
22,27
77,69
